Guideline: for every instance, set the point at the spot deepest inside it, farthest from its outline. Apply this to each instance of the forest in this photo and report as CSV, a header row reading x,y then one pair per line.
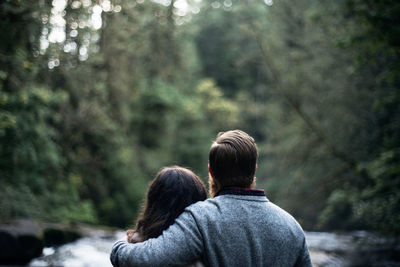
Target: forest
x,y
97,95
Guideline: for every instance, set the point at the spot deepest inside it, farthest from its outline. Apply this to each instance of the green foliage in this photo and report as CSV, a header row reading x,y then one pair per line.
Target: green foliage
x,y
64,204
378,204
19,202
223,112
232,57
332,113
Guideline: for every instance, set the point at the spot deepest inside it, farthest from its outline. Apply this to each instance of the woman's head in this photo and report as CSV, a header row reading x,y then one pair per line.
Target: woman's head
x,y
171,191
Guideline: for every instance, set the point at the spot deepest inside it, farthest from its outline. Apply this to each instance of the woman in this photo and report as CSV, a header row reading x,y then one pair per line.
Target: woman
x,y
171,191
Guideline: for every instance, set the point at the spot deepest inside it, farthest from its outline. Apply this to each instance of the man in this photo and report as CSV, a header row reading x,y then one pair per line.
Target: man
x,y
238,226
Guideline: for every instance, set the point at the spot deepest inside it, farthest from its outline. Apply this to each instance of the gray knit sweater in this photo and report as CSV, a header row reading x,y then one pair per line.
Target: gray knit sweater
x,y
228,230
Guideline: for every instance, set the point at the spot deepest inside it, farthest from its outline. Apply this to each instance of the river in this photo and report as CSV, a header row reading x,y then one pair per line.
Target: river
x,y
327,249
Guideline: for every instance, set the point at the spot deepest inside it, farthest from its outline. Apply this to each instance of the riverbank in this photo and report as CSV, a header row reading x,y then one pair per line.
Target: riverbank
x,y
22,240
358,248
326,249
83,245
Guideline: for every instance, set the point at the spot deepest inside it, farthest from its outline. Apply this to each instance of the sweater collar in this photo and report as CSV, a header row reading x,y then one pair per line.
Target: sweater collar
x,y
240,191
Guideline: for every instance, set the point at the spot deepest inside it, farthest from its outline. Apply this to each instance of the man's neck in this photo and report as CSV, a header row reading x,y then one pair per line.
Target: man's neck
x,y
215,187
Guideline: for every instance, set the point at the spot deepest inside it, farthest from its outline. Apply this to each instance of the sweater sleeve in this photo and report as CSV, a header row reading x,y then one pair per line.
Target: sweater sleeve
x,y
180,244
304,259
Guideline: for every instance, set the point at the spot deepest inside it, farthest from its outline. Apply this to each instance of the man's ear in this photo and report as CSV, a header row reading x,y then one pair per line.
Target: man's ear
x,y
210,171
254,170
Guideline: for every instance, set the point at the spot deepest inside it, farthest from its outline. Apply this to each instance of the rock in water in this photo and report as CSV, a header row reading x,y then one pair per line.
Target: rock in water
x,y
20,241
55,236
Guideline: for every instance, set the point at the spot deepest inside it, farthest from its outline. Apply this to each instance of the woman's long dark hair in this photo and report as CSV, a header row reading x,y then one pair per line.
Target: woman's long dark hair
x,y
172,190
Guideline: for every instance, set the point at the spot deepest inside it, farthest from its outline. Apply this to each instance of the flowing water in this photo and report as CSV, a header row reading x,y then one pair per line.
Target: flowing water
x,y
91,251
327,249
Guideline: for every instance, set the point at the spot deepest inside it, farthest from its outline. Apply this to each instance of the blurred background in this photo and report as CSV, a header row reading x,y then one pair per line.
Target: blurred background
x,y
97,95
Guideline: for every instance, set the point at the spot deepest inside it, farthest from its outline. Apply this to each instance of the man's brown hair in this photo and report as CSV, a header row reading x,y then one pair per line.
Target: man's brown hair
x,y
233,158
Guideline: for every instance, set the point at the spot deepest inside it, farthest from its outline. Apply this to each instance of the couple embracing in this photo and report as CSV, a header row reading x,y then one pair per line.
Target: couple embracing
x,y
237,226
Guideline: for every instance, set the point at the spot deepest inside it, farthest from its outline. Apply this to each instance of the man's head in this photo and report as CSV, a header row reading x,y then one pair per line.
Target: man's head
x,y
233,159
